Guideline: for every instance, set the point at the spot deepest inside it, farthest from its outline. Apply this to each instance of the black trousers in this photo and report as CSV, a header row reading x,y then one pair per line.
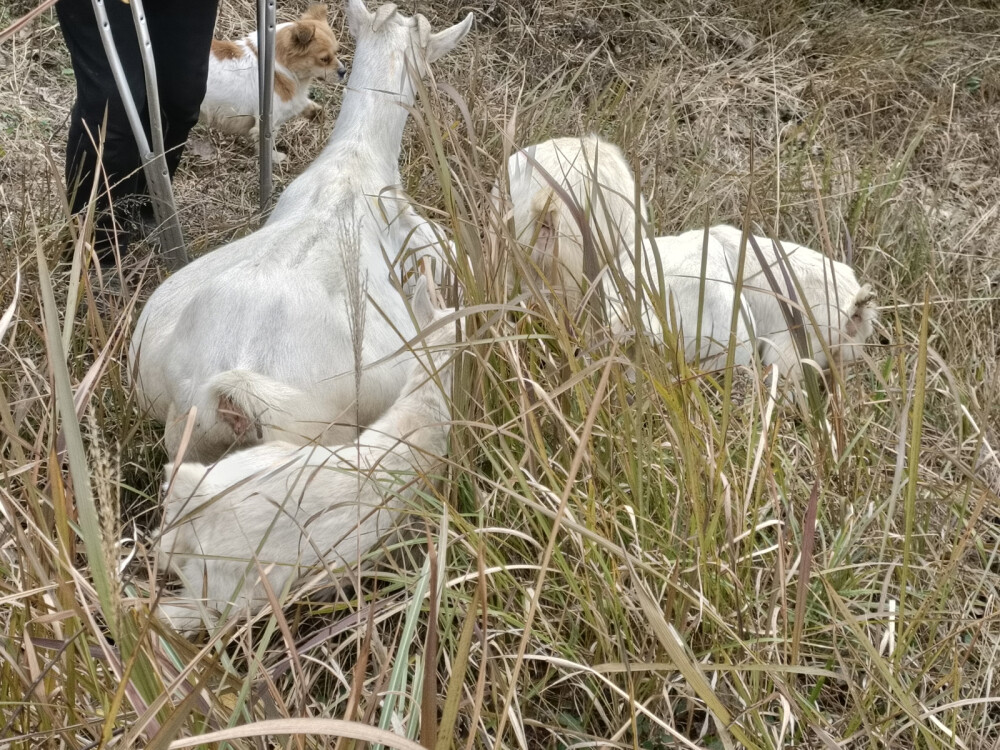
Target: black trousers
x,y
181,35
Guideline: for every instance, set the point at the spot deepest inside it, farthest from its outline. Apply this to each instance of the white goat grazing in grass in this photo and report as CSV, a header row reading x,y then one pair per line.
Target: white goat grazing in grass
x,y
594,175
844,310
279,510
672,271
262,336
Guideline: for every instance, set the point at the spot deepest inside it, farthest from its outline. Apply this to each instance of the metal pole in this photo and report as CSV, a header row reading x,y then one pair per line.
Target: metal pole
x,y
265,79
164,206
154,162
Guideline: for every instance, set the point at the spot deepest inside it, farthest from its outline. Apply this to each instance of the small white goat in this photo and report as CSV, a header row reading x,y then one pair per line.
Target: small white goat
x,y
262,335
844,310
279,510
671,269
594,174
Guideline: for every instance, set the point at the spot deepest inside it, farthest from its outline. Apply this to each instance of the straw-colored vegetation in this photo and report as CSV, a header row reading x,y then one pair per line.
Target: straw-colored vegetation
x,y
614,564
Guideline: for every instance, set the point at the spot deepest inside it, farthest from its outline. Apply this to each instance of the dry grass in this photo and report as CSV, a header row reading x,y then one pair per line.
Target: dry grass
x,y
615,565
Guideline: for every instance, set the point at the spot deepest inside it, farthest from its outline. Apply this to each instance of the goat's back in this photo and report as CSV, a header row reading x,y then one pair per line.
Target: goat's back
x,y
686,300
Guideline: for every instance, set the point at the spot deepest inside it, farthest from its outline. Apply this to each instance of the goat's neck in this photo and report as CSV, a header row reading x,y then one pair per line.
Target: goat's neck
x,y
372,116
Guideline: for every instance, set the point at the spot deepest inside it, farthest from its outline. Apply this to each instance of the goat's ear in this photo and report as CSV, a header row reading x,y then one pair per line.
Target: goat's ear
x,y
423,31
383,14
315,12
182,481
445,41
423,308
862,314
358,16
304,33
168,472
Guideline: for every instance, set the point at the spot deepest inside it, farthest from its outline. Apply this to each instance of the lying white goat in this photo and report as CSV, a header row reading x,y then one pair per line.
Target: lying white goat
x,y
260,335
672,271
844,310
595,176
278,510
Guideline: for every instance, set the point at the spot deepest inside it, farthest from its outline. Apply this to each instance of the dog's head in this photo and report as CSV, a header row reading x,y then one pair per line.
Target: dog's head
x,y
308,47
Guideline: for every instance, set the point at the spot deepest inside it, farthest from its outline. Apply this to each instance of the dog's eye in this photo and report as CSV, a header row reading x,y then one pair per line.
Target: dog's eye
x,y
325,59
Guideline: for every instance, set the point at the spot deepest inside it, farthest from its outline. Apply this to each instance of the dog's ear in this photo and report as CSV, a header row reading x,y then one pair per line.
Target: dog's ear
x,y
304,33
315,12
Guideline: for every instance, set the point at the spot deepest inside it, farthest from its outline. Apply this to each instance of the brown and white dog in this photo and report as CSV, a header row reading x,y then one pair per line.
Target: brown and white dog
x,y
305,50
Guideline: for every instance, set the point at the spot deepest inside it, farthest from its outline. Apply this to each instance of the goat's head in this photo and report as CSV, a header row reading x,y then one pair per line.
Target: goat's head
x,y
399,41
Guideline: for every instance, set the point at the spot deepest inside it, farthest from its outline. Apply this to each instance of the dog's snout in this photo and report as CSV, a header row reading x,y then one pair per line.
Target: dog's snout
x,y
341,70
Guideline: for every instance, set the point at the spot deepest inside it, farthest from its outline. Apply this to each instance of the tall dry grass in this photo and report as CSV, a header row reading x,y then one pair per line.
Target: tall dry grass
x,y
609,563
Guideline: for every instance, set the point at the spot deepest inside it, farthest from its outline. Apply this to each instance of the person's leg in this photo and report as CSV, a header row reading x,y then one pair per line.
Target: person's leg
x,y
181,35
97,94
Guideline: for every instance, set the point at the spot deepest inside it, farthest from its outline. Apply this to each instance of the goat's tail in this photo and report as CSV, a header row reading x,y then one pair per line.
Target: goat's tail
x,y
545,206
247,401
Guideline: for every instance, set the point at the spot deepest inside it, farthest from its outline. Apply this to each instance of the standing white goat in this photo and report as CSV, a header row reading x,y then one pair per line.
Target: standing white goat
x,y
671,270
595,176
278,510
844,310
262,336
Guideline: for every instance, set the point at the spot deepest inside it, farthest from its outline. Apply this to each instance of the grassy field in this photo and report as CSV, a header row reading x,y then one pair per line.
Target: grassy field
x,y
654,564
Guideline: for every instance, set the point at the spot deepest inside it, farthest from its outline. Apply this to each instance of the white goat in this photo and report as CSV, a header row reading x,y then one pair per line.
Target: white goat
x,y
278,510
594,174
671,269
844,310
262,335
